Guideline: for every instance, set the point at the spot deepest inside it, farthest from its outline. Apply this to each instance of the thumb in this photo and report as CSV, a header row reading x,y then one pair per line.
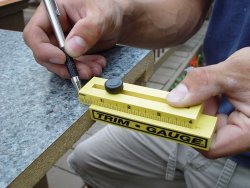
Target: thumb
x,y
85,33
199,85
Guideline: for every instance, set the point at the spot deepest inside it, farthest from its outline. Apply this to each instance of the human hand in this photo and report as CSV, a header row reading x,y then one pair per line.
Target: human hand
x,y
88,26
232,79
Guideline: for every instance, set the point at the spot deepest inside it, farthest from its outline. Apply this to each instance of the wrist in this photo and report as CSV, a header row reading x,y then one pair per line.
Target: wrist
x,y
132,13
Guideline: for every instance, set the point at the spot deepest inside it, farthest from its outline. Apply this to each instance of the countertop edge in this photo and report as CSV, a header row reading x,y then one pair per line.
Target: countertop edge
x,y
37,170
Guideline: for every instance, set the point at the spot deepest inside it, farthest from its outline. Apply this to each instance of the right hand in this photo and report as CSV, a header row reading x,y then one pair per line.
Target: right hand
x,y
90,24
230,78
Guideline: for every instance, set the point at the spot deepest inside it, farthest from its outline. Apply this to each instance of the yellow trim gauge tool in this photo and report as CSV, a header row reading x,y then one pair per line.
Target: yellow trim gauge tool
x,y
145,110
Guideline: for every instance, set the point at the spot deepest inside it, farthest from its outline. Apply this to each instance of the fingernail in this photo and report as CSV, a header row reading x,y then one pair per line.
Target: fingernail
x,y
96,71
101,61
76,45
85,74
177,94
56,61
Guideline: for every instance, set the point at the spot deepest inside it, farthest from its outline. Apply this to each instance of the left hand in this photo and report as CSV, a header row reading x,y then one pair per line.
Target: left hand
x,y
231,78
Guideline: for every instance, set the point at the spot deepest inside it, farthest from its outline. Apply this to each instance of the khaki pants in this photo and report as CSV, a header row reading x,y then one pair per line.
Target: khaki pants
x,y
120,158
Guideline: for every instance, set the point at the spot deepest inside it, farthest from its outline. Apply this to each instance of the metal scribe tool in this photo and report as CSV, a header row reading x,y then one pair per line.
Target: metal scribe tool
x,y
53,13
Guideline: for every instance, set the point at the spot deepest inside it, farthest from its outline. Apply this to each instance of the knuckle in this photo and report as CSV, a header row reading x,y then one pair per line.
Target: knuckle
x,y
234,59
63,74
38,57
198,75
25,34
95,30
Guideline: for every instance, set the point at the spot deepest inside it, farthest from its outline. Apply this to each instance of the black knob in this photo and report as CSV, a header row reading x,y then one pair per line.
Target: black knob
x,y
114,85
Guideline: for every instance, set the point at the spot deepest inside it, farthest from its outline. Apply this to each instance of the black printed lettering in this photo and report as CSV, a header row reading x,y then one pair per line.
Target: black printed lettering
x,y
108,118
185,138
151,129
100,115
173,135
197,141
123,122
162,132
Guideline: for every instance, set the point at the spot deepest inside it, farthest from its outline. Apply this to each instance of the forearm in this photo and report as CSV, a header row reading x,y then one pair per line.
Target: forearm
x,y
161,23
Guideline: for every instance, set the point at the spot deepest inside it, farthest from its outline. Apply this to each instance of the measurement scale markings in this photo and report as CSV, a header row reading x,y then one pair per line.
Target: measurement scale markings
x,y
163,107
131,109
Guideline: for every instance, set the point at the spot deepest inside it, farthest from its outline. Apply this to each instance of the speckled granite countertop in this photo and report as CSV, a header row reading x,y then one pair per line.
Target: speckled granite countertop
x,y
36,106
